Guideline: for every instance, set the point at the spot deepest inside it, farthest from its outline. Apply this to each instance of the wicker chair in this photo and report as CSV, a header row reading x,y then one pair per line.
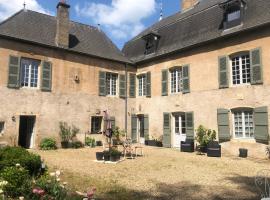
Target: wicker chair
x,y
214,149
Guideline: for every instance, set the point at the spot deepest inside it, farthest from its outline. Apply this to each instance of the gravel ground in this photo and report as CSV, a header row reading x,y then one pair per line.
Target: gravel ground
x,y
160,174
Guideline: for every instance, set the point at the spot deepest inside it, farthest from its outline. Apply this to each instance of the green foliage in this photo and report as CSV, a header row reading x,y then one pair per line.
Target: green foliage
x,y
10,156
67,133
204,135
268,151
91,142
77,144
114,152
18,181
48,144
118,134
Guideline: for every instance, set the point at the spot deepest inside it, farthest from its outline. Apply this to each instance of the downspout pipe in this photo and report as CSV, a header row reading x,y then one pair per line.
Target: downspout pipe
x,y
126,100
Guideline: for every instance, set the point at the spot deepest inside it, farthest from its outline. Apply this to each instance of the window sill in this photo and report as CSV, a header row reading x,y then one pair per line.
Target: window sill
x,y
29,88
241,85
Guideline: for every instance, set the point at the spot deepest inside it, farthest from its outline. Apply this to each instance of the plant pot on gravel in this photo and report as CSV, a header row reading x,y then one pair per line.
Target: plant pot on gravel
x,y
106,155
152,143
115,155
65,144
243,153
98,143
99,155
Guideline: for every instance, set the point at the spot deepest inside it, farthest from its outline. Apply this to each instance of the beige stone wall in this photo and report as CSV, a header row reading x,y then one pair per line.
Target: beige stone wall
x,y
205,96
68,101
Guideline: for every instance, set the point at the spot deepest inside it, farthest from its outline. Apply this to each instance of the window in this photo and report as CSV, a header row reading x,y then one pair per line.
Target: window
x,y
142,85
2,126
151,43
96,125
111,80
241,69
176,80
29,73
180,124
233,15
243,124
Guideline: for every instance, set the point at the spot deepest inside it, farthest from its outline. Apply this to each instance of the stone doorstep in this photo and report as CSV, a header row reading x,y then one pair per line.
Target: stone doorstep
x,y
108,162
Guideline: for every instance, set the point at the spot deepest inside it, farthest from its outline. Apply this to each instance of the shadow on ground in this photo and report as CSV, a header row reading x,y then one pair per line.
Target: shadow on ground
x,y
244,189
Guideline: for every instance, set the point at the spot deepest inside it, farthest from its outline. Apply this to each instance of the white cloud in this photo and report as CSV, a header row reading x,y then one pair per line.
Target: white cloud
x,y
9,7
122,17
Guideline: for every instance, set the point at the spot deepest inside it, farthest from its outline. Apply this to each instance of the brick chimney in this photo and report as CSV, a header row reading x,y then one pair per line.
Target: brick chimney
x,y
62,27
188,4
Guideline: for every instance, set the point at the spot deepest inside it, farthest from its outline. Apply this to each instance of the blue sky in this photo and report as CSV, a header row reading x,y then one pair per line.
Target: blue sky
x,y
120,19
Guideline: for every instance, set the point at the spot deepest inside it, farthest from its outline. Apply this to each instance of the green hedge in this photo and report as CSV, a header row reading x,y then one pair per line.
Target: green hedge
x,y
10,156
48,144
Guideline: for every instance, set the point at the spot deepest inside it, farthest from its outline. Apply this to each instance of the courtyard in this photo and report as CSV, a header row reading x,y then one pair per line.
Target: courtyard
x,y
160,174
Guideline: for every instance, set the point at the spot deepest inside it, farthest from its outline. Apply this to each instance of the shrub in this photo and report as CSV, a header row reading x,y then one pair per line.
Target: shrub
x,y
48,144
91,142
18,181
10,156
118,134
204,135
77,144
67,133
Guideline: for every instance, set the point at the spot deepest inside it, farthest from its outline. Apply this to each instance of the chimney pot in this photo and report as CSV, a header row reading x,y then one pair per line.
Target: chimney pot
x,y
188,4
62,27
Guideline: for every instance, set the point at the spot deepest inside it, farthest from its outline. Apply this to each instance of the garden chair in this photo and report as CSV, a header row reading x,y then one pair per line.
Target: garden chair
x,y
214,149
138,147
187,146
128,149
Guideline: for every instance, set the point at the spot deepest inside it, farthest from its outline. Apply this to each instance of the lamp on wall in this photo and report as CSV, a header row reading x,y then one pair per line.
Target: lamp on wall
x,y
13,118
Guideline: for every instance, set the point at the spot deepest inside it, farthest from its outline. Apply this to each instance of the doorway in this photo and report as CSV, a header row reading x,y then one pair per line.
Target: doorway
x,y
26,131
141,128
179,128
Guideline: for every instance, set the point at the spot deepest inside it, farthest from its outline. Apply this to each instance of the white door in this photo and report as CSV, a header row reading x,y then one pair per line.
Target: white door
x,y
177,131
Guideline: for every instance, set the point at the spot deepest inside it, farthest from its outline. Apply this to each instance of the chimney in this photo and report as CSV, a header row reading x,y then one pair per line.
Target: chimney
x,y
62,27
188,4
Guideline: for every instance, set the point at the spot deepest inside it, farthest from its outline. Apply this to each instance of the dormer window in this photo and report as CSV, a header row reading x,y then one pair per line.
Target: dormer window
x,y
151,43
233,12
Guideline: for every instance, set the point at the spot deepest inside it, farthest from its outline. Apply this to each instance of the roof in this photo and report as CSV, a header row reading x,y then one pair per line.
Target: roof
x,y
31,26
194,27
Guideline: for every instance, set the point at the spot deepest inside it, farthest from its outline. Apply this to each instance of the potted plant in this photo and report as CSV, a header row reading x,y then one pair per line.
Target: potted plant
x,y
117,134
98,143
115,155
67,134
106,155
204,136
90,142
99,155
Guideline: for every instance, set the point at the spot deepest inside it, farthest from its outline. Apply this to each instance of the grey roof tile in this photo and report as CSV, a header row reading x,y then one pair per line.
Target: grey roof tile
x,y
195,26
41,29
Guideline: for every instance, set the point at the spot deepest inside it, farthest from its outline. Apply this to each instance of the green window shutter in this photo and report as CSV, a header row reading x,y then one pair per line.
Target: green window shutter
x,y
146,126
134,128
14,72
261,125
164,82
148,84
256,66
166,130
189,125
112,119
102,83
132,85
46,80
223,72
223,125
122,86
186,81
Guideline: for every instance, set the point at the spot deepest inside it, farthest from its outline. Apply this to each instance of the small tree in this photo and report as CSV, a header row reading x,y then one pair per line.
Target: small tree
x,y
204,135
118,134
67,133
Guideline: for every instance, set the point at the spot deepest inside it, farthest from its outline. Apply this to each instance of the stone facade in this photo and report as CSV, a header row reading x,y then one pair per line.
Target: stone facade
x,y
68,101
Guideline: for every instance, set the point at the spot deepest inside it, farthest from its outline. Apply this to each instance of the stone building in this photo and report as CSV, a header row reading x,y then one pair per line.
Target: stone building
x,y
207,64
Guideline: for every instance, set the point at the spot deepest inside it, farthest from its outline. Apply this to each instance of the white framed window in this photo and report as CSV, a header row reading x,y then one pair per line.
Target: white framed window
x,y
180,124
2,126
233,15
240,69
176,80
29,73
111,83
142,85
243,124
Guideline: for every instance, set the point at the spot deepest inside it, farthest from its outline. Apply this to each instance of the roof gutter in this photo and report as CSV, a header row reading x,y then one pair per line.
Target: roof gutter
x,y
63,49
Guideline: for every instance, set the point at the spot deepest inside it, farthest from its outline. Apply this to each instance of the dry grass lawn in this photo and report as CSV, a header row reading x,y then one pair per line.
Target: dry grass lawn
x,y
161,174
